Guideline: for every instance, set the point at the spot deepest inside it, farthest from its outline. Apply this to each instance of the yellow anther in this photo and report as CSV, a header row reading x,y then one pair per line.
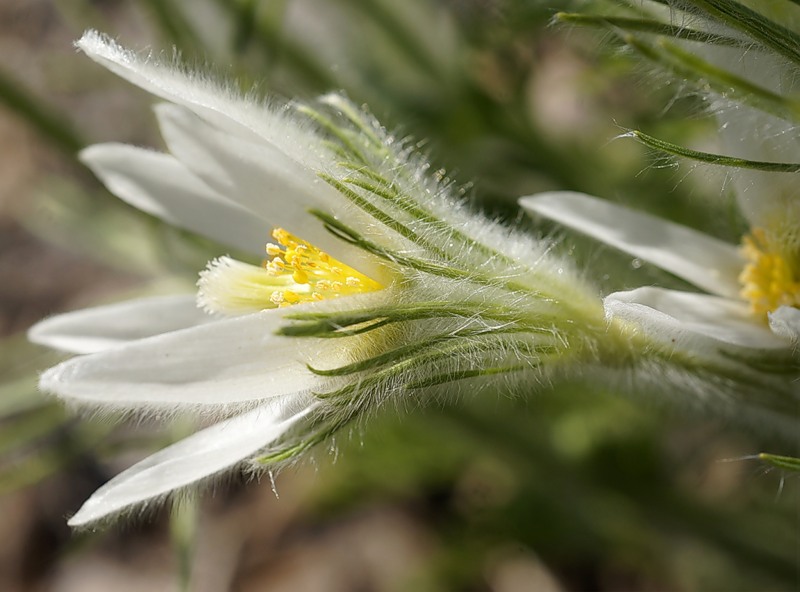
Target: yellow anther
x,y
291,297
769,279
297,272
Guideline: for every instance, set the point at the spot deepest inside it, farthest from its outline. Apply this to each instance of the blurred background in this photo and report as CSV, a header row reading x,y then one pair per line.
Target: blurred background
x,y
566,489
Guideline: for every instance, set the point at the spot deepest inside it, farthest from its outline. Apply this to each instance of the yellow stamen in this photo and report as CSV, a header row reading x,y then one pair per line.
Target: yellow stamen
x,y
769,280
296,272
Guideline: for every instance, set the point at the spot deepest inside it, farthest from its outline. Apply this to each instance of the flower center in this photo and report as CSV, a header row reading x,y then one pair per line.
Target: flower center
x,y
769,280
296,272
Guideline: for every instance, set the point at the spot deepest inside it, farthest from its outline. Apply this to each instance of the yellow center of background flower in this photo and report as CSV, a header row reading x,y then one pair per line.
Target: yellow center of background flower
x,y
769,280
296,272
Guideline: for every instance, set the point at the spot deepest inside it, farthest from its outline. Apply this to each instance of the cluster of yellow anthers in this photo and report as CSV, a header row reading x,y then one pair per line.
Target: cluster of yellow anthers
x,y
768,279
315,274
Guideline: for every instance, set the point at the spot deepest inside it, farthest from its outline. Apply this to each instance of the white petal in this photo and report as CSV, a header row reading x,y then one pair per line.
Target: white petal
x,y
221,104
204,454
160,185
706,262
664,328
228,362
103,327
723,319
786,322
264,180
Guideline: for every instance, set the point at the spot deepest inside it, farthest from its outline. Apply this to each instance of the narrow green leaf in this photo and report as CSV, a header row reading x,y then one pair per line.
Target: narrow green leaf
x,y
716,159
756,26
690,67
340,324
445,378
643,25
788,463
410,349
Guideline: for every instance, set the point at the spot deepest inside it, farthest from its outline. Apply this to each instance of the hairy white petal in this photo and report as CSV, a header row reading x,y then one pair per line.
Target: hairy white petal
x,y
261,178
222,105
786,322
232,362
160,185
103,327
228,362
204,454
706,262
721,318
660,326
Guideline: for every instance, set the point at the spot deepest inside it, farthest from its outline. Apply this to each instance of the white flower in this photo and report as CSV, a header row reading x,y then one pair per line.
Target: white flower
x,y
382,287
744,63
749,291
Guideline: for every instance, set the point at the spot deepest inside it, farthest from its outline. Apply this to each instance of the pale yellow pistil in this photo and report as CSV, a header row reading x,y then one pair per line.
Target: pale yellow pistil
x,y
769,279
296,272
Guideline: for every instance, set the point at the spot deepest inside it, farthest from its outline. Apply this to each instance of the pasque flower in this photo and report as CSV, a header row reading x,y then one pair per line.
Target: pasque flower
x,y
743,61
752,292
376,284
379,284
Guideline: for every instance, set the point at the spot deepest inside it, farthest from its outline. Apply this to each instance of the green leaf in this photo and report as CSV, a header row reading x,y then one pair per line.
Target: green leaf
x,y
643,25
716,159
788,463
754,25
685,65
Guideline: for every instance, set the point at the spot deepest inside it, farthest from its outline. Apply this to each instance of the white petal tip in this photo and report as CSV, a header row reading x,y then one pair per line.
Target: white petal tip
x,y
50,379
48,333
94,43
